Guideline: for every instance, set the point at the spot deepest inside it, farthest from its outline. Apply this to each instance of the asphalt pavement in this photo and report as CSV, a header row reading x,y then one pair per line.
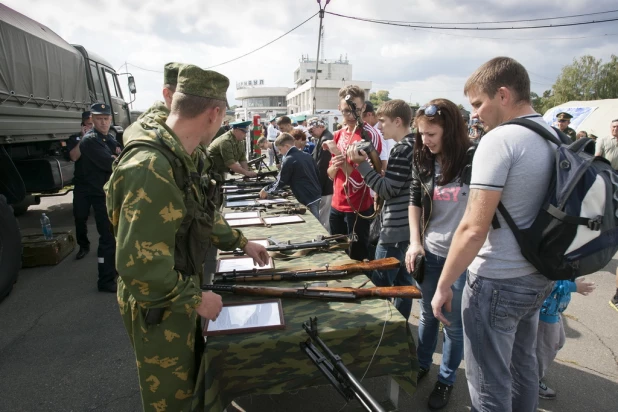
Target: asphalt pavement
x,y
63,346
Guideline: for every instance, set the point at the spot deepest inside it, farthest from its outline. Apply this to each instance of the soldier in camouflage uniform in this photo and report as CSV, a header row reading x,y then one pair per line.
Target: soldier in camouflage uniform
x,y
228,151
163,220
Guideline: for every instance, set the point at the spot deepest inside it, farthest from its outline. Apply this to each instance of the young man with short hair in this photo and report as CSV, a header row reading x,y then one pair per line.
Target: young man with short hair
x,y
503,292
284,123
321,156
370,117
351,196
297,171
394,188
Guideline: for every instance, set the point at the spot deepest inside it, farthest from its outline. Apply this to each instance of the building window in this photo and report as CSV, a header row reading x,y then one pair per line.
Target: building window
x,y
276,101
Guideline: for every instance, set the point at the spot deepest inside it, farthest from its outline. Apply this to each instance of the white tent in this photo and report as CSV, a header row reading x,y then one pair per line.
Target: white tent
x,y
593,116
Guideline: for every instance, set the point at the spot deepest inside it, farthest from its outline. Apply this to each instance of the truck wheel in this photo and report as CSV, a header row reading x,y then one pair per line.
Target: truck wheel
x,y
10,248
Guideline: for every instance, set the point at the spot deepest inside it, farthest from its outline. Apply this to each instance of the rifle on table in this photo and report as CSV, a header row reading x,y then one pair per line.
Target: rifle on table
x,y
334,370
257,160
308,274
322,293
232,197
260,176
246,183
243,190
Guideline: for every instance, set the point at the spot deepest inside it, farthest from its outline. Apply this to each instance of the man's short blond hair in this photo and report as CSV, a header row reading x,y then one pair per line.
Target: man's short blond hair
x,y
189,106
394,109
501,72
283,139
261,141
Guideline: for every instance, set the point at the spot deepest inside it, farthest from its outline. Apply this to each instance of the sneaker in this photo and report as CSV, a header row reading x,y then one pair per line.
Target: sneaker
x,y
422,372
546,392
613,302
440,395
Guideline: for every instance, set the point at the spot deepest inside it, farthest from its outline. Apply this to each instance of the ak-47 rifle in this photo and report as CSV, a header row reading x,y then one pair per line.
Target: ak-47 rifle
x,y
334,370
246,183
322,293
243,191
260,176
257,160
308,274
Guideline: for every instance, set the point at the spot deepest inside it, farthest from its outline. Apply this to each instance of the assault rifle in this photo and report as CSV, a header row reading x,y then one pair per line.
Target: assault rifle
x,y
334,370
232,197
257,160
246,183
307,274
243,190
322,293
260,176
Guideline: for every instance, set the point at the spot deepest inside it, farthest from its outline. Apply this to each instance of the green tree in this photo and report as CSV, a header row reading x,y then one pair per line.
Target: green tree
x,y
379,97
586,79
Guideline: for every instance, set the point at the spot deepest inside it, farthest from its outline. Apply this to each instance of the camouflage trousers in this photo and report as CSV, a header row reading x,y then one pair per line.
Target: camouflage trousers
x,y
169,357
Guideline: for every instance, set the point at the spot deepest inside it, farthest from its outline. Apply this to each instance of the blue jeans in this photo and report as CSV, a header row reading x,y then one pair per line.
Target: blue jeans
x,y
501,318
314,208
394,277
428,328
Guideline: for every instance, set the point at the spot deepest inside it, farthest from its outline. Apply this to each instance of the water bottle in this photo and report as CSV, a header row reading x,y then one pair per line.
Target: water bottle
x,y
46,227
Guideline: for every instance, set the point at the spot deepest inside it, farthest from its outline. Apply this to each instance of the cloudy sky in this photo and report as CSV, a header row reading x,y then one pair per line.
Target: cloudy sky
x,y
414,65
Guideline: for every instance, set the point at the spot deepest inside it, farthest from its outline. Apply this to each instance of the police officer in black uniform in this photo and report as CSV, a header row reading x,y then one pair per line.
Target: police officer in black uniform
x,y
92,170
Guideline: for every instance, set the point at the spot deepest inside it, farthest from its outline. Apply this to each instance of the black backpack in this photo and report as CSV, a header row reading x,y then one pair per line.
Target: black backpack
x,y
576,231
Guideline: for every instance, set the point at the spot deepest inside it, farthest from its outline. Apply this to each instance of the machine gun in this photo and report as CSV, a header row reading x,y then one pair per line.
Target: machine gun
x,y
309,274
334,370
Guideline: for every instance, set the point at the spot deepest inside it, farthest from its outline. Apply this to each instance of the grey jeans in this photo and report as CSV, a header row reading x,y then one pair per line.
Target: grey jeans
x,y
500,321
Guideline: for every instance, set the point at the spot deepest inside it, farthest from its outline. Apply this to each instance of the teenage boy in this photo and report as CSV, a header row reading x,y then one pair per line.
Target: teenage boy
x,y
299,172
394,188
351,196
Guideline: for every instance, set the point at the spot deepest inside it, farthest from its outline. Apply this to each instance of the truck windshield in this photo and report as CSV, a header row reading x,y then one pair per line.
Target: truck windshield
x,y
97,82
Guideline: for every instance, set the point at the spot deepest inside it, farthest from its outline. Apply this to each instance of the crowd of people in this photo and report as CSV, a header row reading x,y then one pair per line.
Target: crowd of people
x,y
423,187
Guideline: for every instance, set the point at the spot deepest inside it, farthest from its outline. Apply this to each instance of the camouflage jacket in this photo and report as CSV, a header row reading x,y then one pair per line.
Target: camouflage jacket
x,y
226,151
147,207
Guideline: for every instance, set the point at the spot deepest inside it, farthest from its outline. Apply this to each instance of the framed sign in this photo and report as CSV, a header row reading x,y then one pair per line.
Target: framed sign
x,y
245,222
272,201
240,203
241,264
246,317
242,215
282,220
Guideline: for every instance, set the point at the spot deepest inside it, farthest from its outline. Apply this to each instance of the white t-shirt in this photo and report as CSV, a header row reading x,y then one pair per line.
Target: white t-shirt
x,y
518,162
272,133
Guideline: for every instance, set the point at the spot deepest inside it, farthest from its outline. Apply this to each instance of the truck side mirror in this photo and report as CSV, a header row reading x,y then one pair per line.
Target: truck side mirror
x,y
132,87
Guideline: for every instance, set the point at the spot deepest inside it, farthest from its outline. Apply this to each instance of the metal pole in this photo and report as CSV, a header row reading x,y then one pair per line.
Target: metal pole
x,y
317,59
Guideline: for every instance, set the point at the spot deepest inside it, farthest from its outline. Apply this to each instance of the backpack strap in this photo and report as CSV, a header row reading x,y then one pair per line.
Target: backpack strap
x,y
540,130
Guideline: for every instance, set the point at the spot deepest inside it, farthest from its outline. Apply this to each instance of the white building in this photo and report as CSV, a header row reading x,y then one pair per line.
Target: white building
x,y
332,76
267,102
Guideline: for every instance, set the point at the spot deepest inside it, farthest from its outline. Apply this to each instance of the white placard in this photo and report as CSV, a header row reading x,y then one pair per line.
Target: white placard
x,y
272,201
242,215
241,203
245,222
281,220
246,316
242,264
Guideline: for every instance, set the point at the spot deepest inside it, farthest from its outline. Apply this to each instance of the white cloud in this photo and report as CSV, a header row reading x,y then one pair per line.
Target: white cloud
x,y
424,64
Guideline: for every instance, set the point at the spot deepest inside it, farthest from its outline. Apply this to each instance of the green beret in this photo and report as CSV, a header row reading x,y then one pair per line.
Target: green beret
x,y
202,83
170,73
564,116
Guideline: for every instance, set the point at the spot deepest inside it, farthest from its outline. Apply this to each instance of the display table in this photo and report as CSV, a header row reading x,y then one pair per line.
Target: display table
x,y
271,362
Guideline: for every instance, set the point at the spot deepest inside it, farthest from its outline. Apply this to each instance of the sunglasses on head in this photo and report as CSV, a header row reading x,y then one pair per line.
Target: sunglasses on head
x,y
430,110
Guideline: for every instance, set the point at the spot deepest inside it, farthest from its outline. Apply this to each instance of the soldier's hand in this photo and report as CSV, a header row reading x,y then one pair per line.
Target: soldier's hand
x,y
263,194
257,252
251,174
211,306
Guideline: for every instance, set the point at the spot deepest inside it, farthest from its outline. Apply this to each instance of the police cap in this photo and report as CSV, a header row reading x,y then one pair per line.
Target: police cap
x,y
564,116
101,108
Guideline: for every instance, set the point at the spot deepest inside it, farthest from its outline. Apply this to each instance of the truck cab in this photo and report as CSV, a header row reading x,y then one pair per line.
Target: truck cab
x,y
104,87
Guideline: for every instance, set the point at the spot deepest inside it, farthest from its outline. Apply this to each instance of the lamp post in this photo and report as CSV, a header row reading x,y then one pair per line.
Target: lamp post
x,y
317,56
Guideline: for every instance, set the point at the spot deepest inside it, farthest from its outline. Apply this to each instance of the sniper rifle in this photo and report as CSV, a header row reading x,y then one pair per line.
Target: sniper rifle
x,y
308,274
319,292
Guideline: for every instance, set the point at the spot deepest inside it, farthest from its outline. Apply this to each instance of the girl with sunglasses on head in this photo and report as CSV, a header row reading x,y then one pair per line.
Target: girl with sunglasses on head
x,y
438,198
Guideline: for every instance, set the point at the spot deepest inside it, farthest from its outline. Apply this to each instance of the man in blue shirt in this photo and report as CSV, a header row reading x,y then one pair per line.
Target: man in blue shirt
x,y
298,170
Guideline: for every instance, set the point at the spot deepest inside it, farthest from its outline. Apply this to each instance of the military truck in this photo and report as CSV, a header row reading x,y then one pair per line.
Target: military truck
x,y
45,85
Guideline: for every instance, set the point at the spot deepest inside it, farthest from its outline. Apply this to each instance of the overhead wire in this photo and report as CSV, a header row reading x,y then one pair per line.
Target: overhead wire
x,y
421,26
239,57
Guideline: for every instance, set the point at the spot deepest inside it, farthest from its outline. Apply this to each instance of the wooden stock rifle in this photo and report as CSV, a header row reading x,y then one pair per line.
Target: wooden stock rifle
x,y
321,242
322,293
255,180
308,274
232,197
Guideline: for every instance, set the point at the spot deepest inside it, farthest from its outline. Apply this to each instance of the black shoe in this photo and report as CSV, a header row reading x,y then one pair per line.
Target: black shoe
x,y
613,302
422,372
83,251
440,395
108,288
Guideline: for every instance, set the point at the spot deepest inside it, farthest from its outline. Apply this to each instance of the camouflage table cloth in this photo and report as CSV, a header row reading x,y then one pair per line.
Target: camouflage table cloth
x,y
271,362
